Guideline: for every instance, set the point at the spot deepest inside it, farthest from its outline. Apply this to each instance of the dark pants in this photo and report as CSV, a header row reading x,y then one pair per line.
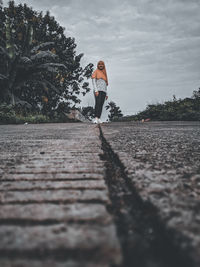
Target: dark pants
x,y
99,101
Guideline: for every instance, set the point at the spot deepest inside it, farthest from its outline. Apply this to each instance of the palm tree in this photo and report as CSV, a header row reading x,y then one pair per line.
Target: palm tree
x,y
27,64
114,111
38,63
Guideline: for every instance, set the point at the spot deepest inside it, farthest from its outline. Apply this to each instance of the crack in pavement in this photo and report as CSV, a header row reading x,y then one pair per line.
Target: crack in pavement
x,y
144,238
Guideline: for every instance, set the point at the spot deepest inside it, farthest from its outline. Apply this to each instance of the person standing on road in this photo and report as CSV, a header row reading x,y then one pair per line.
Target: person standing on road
x,y
100,83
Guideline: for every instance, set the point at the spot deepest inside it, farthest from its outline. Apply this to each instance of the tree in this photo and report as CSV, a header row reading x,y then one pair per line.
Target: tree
x,y
196,94
38,62
88,112
187,109
114,111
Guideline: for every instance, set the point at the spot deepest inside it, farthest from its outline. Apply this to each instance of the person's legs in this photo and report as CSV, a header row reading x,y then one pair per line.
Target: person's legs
x,y
101,96
97,103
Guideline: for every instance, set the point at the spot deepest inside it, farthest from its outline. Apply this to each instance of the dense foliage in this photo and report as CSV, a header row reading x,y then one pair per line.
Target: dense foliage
x,y
114,111
12,115
39,68
187,109
88,112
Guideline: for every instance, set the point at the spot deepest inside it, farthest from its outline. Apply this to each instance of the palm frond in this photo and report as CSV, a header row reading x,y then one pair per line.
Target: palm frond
x,y
45,84
25,60
44,55
3,77
51,67
51,86
22,103
3,52
43,46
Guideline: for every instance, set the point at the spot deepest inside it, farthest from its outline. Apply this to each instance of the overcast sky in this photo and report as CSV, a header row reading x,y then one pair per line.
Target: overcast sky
x,y
151,48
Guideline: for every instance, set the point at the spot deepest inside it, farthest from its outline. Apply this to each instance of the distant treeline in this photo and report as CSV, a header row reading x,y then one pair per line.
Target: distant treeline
x,y
187,109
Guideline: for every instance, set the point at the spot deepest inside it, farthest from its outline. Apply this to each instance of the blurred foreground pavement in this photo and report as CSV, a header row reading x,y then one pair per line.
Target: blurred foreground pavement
x,y
53,198
162,161
79,195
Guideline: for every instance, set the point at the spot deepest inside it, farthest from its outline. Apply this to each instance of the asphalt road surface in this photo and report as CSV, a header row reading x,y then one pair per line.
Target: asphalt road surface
x,y
122,194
